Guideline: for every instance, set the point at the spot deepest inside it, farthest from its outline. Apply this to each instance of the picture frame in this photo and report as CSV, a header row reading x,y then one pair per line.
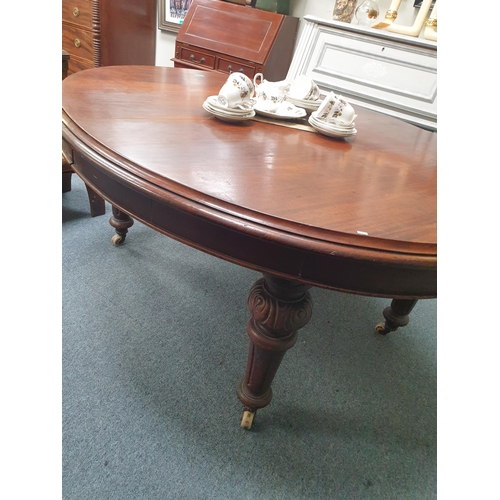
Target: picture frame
x,y
171,14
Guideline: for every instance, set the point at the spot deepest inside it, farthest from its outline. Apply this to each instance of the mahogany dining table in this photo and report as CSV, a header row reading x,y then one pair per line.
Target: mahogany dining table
x,y
356,214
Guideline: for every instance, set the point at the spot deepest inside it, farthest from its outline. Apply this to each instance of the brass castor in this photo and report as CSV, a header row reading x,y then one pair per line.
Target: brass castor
x,y
247,419
382,329
117,240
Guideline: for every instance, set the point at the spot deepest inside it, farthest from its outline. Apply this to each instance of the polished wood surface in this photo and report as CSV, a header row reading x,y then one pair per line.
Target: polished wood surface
x,y
224,37
356,215
106,33
335,203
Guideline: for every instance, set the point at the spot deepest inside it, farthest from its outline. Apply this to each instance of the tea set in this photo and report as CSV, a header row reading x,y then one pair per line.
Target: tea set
x,y
241,98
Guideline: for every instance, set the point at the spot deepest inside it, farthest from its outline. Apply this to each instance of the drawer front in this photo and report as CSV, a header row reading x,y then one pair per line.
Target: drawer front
x,y
78,42
75,65
228,65
77,12
195,56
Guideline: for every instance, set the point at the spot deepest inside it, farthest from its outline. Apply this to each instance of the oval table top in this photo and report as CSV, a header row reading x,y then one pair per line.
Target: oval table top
x,y
355,214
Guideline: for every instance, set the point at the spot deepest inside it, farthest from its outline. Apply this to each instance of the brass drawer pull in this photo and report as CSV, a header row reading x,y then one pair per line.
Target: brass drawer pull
x,y
201,61
76,12
77,42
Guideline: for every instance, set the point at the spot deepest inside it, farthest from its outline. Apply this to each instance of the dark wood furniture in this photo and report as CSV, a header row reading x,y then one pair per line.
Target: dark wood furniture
x,y
225,37
67,171
105,33
97,204
65,62
356,215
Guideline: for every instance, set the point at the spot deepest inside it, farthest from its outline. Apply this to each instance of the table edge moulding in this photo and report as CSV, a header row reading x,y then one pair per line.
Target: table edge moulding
x,y
285,202
388,72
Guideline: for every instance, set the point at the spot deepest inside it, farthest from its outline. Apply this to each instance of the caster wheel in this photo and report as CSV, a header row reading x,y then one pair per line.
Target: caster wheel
x,y
247,419
381,329
117,240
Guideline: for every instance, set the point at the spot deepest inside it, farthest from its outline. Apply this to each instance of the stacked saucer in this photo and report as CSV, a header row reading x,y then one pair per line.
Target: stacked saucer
x,y
304,93
213,106
285,111
330,129
308,105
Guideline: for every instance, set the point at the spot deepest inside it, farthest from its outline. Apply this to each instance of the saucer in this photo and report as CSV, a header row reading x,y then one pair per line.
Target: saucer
x,y
332,126
214,103
331,130
227,116
286,111
309,105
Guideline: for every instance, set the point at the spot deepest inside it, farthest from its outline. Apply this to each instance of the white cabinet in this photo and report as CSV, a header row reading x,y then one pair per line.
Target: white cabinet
x,y
387,72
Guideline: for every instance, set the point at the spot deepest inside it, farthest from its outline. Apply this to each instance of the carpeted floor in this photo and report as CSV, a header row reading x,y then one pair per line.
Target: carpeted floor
x,y
154,344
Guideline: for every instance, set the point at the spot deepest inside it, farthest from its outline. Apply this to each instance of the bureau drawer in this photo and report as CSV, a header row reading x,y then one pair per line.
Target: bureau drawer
x,y
78,42
75,64
195,56
77,12
228,65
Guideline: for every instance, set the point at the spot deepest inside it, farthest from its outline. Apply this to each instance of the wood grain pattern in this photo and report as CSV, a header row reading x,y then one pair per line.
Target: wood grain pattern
x,y
356,215
239,38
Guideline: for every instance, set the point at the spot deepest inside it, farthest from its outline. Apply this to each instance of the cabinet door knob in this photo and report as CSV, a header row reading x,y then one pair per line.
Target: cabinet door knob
x,y
77,42
76,12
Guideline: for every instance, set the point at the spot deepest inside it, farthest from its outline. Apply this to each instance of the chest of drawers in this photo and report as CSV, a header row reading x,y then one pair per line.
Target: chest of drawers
x,y
226,37
107,32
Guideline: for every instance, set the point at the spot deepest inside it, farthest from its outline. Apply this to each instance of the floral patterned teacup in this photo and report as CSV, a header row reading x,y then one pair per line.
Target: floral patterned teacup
x,y
336,110
237,92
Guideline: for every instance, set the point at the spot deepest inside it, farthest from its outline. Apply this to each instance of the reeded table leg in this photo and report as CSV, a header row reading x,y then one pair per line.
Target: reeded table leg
x,y
278,308
396,315
121,222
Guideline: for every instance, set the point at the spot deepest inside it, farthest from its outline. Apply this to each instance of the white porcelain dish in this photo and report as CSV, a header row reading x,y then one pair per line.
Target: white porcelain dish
x,y
287,111
215,104
330,130
305,104
228,117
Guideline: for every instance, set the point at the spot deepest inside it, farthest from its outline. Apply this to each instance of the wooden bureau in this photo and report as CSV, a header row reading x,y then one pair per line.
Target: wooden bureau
x,y
225,37
106,32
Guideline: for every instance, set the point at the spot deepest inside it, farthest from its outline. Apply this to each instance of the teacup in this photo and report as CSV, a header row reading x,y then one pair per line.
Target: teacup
x,y
237,92
304,88
270,95
336,110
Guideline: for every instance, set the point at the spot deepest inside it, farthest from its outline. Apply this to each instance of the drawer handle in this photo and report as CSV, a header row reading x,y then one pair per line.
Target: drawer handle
x,y
77,42
230,68
201,61
76,12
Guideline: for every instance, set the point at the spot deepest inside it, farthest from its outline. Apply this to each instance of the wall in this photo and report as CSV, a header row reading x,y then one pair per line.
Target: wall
x,y
165,40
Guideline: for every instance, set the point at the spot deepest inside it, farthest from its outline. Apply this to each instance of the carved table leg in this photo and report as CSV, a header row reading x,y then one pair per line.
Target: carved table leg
x,y
278,308
396,315
121,222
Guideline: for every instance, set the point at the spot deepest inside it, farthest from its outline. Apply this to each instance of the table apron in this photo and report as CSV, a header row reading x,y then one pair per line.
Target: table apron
x,y
251,246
